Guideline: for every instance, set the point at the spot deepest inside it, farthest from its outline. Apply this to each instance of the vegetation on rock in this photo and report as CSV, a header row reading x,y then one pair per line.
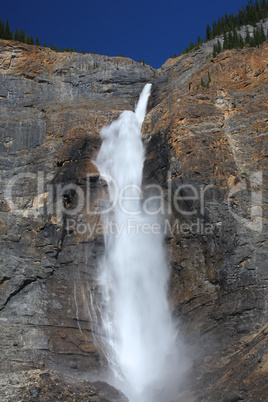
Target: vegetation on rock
x,y
21,36
228,26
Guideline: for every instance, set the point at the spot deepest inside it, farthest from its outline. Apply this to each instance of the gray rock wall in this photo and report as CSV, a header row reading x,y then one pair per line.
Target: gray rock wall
x,y
53,107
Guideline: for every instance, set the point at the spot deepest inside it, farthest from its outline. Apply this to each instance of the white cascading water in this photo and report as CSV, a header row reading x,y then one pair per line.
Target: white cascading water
x,y
140,340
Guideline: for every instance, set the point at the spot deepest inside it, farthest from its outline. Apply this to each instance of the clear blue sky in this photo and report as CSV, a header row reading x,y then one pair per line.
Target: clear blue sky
x,y
150,30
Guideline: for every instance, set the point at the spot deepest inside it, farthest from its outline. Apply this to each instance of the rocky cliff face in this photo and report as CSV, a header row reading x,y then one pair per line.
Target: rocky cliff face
x,y
210,144
205,146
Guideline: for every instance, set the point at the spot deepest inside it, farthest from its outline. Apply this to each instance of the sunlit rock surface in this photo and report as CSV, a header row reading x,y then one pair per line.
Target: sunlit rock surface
x,y
53,106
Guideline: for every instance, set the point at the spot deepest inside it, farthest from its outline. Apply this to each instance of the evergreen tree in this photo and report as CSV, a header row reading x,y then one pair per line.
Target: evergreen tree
x,y
22,36
235,39
262,12
31,40
230,40
224,28
247,38
252,18
16,35
263,9
37,41
209,80
219,49
262,34
2,29
242,16
257,7
257,36
254,38
214,29
219,26
241,42
8,33
215,51
45,44
226,21
27,39
208,33
225,42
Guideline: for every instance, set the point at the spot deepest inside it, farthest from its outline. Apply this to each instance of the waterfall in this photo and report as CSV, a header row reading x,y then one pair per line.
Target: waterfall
x,y
139,338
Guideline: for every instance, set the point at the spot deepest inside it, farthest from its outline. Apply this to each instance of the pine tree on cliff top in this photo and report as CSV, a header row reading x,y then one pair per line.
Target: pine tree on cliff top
x,y
208,33
1,30
8,33
27,39
16,35
22,36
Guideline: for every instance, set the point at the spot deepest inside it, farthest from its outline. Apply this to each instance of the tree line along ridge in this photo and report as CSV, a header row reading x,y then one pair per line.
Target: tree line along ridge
x,y
21,36
228,26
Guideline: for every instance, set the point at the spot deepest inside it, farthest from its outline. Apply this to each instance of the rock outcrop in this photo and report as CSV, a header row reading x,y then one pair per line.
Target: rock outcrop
x,y
206,139
210,144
